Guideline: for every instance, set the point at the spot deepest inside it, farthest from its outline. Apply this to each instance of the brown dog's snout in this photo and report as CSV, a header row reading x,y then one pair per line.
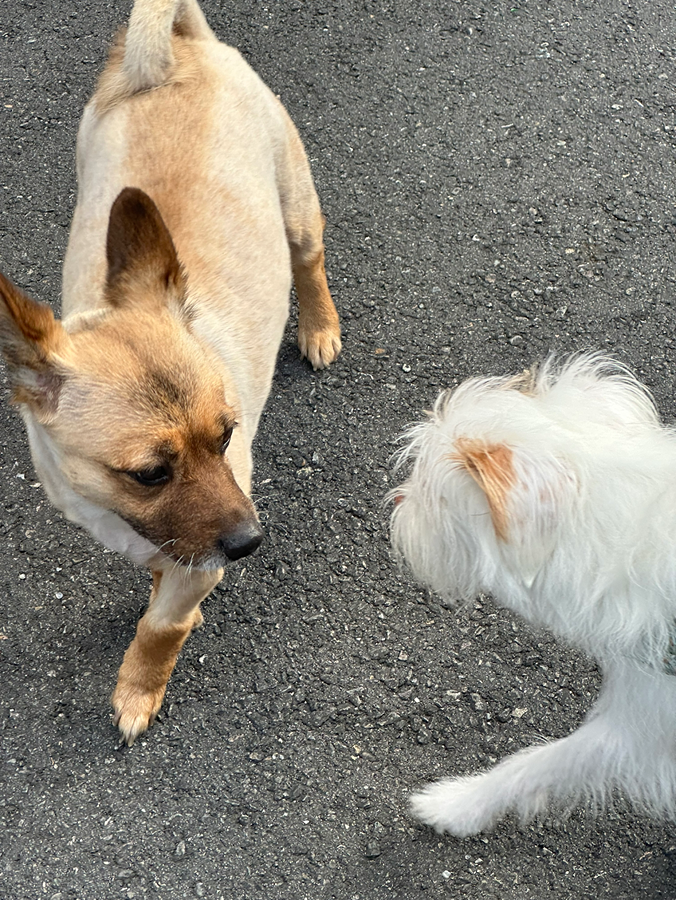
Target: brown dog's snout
x,y
242,540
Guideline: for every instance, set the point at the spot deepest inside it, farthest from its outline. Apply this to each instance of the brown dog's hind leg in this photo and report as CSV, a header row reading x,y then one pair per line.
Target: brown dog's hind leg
x,y
149,661
318,325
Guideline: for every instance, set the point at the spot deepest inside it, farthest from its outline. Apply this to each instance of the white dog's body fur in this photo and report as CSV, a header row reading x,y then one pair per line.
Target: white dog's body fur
x,y
556,493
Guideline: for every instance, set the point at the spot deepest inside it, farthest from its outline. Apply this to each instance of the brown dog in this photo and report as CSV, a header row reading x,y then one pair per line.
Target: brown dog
x,y
142,403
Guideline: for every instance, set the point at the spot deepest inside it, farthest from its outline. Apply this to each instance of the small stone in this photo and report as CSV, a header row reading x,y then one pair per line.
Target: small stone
x,y
422,737
257,756
389,719
199,889
322,716
372,849
180,849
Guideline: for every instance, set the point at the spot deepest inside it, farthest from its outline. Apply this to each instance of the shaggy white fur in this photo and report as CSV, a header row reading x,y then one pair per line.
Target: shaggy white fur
x,y
555,492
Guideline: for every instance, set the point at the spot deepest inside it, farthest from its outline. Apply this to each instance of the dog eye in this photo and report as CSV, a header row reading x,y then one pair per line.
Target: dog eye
x,y
151,477
226,440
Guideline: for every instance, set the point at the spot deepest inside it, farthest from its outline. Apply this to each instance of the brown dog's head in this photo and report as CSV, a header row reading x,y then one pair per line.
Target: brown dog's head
x,y
130,405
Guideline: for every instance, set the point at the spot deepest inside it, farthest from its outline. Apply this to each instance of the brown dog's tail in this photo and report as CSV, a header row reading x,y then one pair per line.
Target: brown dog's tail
x,y
148,54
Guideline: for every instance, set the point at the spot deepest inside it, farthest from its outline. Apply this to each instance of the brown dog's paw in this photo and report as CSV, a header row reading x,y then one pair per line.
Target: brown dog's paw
x,y
320,346
135,710
198,619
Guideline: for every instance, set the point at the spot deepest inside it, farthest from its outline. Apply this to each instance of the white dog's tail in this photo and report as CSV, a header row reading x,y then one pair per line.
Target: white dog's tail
x,y
148,55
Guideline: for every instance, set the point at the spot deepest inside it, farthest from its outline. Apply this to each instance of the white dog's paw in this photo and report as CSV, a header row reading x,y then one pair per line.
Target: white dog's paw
x,y
456,805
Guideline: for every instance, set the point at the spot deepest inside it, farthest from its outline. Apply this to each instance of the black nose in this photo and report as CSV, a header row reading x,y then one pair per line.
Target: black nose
x,y
242,540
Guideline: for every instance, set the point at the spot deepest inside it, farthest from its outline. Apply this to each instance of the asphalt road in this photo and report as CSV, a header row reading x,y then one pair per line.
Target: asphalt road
x,y
498,181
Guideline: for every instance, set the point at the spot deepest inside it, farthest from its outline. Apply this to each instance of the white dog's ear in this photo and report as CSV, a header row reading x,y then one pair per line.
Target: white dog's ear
x,y
31,340
530,497
143,267
492,467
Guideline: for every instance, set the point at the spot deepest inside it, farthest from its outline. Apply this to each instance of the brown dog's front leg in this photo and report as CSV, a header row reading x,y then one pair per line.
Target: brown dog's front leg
x,y
172,613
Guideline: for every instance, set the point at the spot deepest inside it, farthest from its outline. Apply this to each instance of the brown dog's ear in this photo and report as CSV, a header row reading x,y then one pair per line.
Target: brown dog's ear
x,y
30,339
492,467
142,263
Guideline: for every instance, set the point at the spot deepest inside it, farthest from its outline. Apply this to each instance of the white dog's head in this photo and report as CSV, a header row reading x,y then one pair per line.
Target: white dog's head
x,y
535,489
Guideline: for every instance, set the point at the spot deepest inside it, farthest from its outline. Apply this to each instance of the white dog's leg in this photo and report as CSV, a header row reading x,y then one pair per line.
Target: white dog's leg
x,y
628,742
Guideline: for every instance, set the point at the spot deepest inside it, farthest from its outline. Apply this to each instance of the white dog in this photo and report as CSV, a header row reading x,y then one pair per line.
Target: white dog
x,y
555,492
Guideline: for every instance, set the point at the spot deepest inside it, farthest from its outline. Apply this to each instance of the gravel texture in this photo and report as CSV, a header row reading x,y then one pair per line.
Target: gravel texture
x,y
498,183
